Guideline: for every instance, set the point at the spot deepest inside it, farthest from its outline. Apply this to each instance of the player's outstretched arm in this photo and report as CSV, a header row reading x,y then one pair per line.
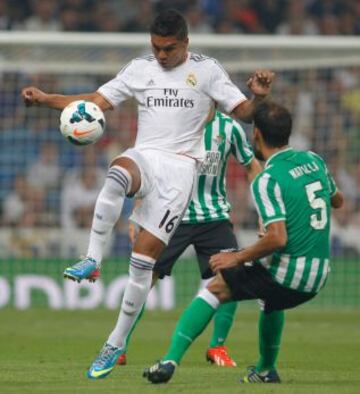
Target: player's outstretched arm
x,y
34,96
273,239
260,85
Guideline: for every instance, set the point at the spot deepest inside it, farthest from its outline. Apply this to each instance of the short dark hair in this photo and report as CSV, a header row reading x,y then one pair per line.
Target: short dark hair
x,y
170,23
274,122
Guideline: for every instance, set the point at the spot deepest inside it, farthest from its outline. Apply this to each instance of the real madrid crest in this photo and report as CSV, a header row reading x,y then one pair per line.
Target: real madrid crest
x,y
191,80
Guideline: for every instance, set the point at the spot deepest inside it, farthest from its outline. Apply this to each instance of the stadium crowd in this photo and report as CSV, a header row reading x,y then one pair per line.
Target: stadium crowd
x,y
326,17
47,183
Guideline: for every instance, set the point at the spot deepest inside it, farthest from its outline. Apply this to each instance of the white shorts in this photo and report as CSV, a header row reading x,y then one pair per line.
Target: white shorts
x,y
167,182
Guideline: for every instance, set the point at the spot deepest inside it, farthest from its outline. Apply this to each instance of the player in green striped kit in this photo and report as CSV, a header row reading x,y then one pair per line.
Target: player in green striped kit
x,y
287,266
223,137
206,224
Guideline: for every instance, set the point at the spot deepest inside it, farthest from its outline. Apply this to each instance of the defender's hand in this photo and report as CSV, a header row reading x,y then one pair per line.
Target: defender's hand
x,y
33,96
260,82
223,260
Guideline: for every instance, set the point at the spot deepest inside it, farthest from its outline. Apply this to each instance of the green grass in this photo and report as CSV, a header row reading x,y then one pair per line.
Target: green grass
x,y
44,351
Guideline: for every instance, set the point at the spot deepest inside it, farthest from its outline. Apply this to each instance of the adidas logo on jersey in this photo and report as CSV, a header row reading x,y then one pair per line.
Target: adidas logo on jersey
x,y
150,83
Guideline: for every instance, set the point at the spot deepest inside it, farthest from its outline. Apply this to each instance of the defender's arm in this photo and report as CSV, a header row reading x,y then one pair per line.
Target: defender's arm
x,y
275,238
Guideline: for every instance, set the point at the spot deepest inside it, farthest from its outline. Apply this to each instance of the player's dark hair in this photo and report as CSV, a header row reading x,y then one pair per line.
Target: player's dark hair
x,y
170,23
274,122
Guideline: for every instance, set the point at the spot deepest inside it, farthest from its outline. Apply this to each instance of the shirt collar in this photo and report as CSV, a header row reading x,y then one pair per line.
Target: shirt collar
x,y
281,153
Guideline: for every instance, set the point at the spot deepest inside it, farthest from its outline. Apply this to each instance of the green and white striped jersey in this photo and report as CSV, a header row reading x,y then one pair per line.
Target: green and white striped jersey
x,y
296,187
222,136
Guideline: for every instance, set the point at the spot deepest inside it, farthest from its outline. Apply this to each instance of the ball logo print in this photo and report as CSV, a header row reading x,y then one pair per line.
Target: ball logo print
x,y
82,122
79,133
81,114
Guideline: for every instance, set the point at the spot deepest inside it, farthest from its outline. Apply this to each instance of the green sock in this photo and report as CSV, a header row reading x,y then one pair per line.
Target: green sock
x,y
133,327
190,325
223,320
270,329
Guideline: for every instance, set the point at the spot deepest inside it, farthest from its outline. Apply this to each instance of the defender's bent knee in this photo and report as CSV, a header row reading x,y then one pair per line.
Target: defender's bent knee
x,y
219,288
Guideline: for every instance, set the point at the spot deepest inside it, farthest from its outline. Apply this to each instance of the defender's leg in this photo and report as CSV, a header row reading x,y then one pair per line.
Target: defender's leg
x,y
191,324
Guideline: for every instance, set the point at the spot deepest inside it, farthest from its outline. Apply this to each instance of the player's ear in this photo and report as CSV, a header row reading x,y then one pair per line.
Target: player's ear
x,y
257,136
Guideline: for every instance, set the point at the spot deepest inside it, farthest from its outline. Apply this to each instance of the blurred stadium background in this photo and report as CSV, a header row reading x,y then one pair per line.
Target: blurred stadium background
x,y
48,187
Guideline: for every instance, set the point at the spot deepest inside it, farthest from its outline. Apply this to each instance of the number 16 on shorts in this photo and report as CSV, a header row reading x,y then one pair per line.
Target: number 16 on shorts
x,y
168,222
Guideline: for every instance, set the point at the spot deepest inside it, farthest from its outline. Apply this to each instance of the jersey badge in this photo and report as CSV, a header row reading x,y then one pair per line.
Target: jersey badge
x,y
191,80
220,139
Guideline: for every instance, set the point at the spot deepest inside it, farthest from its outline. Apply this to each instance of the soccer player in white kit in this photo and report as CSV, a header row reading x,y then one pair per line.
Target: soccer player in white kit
x,y
175,90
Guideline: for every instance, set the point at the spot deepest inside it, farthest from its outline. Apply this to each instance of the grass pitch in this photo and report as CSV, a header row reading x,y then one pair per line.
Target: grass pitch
x,y
44,351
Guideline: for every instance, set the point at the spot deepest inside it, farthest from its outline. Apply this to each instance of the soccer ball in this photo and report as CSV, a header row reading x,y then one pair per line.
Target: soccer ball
x,y
82,122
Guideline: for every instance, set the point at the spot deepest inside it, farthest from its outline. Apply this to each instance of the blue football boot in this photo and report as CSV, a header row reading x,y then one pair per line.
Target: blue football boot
x,y
85,269
104,362
253,376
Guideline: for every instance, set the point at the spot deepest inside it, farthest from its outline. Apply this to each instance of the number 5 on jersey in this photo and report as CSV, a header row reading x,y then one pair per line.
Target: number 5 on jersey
x,y
317,221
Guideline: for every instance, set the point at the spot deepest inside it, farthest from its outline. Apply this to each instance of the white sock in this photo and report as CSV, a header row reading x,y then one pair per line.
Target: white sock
x,y
209,297
136,292
108,209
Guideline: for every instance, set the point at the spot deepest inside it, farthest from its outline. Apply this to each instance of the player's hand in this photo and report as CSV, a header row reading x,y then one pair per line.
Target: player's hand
x,y
33,96
223,260
133,231
260,82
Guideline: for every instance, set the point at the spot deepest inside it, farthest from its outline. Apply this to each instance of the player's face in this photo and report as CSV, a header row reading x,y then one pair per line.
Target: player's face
x,y
169,51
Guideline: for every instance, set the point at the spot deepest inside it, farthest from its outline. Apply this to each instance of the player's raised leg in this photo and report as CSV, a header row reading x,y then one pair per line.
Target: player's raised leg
x,y
146,250
123,178
166,190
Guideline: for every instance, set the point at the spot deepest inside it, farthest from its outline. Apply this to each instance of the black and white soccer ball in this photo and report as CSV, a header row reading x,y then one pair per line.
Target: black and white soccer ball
x,y
82,122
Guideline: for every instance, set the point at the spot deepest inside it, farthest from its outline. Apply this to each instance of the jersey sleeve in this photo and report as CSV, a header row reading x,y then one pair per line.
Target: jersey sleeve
x,y
331,181
119,88
268,199
332,184
240,146
221,89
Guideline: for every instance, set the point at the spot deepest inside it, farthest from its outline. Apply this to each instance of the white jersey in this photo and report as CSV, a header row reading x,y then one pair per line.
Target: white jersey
x,y
173,104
